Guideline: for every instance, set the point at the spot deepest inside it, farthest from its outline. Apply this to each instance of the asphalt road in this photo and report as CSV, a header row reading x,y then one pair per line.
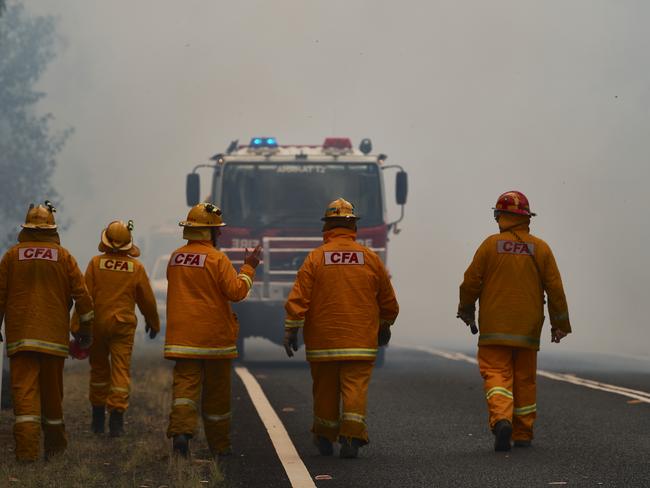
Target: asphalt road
x,y
427,422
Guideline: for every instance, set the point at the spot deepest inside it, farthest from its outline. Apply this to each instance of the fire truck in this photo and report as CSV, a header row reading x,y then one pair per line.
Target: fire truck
x,y
274,195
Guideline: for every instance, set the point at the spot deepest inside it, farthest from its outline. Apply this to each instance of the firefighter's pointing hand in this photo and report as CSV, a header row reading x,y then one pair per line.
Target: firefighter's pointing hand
x,y
291,340
253,259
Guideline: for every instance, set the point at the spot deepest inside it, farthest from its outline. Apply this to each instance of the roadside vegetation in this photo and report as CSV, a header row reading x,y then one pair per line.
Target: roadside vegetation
x,y
139,459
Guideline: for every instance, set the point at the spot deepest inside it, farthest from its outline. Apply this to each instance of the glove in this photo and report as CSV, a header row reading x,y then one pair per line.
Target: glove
x,y
152,333
384,336
468,315
84,335
557,335
253,259
291,340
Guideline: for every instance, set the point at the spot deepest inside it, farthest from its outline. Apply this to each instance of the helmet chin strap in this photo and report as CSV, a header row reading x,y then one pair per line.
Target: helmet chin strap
x,y
214,233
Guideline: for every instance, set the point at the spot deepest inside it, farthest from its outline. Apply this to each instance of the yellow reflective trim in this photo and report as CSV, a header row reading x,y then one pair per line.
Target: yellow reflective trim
x,y
184,401
294,324
53,421
353,417
498,390
27,418
217,418
98,385
120,389
48,346
87,316
526,410
331,424
509,337
247,279
201,351
334,353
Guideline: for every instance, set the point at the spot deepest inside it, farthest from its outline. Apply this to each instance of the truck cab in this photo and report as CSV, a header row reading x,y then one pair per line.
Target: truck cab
x,y
275,196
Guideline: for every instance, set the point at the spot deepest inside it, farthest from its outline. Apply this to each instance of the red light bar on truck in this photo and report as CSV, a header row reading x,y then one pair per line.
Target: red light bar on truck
x,y
337,143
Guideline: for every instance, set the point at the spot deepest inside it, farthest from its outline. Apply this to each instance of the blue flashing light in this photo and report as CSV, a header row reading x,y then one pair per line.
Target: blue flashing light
x,y
264,142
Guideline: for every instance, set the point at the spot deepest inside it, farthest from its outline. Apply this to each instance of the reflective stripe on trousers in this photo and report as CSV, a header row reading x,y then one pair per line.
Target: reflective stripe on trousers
x,y
185,401
526,410
498,390
27,418
217,418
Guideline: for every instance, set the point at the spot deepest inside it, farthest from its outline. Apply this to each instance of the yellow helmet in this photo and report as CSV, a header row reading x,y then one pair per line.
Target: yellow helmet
x,y
340,209
40,217
117,237
203,215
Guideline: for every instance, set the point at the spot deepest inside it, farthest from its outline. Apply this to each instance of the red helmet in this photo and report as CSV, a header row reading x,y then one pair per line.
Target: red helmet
x,y
77,352
514,202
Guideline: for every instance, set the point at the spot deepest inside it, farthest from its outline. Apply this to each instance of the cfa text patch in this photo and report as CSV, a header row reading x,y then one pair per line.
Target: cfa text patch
x,y
514,247
46,253
116,265
188,259
344,257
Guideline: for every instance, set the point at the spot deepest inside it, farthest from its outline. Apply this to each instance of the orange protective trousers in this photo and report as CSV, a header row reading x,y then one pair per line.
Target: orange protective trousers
x,y
110,362
210,381
37,388
336,382
509,375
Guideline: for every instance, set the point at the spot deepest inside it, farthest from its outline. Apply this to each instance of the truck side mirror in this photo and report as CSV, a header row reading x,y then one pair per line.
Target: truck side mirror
x,y
401,187
193,189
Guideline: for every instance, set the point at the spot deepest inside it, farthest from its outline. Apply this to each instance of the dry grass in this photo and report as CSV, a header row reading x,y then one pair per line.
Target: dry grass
x,y
139,459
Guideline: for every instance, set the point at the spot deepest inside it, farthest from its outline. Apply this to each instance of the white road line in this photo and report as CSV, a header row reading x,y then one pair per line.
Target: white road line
x,y
639,395
298,475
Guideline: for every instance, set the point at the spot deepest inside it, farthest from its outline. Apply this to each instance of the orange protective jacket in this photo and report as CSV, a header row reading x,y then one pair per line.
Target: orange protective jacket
x,y
39,279
510,288
117,282
341,296
201,283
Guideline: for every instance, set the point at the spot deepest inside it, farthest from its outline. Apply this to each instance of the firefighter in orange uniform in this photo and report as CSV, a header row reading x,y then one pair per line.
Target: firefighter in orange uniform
x,y
509,275
345,304
202,330
117,281
39,279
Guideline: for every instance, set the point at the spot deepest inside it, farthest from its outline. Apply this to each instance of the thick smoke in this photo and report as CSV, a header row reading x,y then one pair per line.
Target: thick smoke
x,y
473,98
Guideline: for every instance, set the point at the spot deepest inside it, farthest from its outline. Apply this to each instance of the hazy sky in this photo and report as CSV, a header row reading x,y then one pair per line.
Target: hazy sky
x,y
474,98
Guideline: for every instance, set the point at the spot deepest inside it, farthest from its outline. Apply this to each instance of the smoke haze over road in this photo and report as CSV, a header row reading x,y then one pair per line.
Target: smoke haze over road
x,y
472,98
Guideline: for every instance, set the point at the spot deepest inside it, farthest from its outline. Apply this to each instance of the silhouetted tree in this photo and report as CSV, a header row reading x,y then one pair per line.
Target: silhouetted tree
x,y
28,146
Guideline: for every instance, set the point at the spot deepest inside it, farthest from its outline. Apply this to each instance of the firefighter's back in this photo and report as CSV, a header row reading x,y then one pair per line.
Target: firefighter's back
x,y
115,287
38,298
199,317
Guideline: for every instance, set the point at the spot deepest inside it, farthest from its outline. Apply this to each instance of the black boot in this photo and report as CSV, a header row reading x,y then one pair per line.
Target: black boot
x,y
116,423
324,445
502,434
349,447
181,445
99,420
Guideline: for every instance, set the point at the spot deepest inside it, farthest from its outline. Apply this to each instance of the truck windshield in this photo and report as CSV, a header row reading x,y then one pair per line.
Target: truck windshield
x,y
296,194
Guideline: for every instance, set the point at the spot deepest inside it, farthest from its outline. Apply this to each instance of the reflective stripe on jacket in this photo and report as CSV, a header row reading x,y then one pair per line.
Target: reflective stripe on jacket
x,y
201,283
39,279
341,295
508,285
